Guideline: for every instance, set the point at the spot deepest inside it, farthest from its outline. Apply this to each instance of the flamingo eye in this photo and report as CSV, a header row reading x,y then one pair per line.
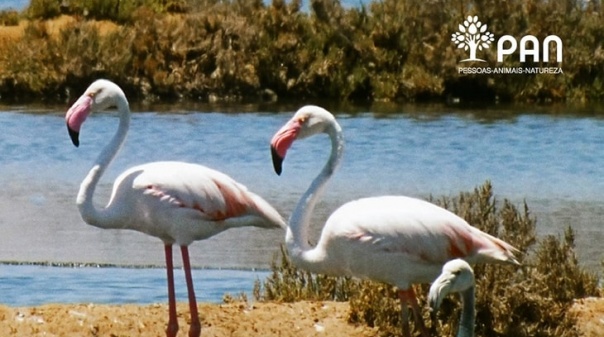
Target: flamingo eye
x,y
94,93
303,119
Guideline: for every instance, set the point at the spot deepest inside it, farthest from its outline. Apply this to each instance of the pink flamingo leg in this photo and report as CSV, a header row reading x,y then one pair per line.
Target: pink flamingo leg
x,y
407,297
195,330
404,298
172,329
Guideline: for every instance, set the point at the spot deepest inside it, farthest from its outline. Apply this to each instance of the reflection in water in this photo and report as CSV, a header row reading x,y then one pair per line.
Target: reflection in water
x,y
551,162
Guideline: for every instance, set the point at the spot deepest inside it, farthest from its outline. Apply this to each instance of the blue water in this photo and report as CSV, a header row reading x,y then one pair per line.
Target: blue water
x,y
28,285
553,162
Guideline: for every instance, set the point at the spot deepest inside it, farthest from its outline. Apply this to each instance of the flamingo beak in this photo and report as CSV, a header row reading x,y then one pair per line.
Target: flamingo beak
x,y
282,141
439,290
75,117
74,135
277,161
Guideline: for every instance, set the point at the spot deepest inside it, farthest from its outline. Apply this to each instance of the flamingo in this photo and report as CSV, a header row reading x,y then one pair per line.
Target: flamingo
x,y
393,239
456,276
176,202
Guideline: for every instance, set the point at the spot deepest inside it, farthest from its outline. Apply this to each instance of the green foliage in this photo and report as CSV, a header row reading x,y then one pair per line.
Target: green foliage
x,y
43,9
289,284
531,300
391,50
9,17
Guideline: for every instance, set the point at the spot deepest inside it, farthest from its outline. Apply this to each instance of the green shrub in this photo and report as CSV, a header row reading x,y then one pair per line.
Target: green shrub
x,y
289,284
387,51
9,17
43,9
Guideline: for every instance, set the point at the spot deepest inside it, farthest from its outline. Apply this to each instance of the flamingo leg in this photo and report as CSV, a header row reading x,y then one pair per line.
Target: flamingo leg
x,y
417,315
172,329
404,298
407,297
195,329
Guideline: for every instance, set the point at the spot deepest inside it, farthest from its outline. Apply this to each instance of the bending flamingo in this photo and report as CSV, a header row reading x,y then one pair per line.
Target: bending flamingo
x,y
174,201
392,239
456,276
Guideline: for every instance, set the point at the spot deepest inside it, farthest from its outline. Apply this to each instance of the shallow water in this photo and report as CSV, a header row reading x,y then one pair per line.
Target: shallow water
x,y
28,285
551,161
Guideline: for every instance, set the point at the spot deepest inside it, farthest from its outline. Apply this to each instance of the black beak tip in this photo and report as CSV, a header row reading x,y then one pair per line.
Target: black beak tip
x,y
277,161
75,137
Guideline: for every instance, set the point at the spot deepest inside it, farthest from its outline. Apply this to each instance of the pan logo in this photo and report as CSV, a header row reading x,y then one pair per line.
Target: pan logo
x,y
473,36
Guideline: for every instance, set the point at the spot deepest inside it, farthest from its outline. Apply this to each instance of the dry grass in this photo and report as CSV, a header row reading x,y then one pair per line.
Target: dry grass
x,y
53,27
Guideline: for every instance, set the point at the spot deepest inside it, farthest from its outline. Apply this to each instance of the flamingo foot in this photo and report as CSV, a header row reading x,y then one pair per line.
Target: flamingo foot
x,y
172,329
195,327
195,330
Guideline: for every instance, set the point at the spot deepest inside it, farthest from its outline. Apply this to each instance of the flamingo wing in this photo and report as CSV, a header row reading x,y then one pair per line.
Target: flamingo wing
x,y
420,230
212,194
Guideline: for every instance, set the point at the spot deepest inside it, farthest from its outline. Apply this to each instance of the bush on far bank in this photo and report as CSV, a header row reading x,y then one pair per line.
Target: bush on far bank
x,y
246,50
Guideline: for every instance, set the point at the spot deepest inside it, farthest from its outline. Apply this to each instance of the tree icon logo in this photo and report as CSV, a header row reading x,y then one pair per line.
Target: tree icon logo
x,y
472,35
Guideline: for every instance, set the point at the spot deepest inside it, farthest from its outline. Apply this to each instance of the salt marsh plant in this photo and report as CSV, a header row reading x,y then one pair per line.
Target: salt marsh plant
x,y
242,50
531,300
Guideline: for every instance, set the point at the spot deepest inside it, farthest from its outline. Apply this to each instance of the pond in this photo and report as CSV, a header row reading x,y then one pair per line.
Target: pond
x,y
551,161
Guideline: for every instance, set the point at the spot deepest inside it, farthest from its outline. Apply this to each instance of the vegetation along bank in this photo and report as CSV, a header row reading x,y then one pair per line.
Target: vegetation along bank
x,y
249,50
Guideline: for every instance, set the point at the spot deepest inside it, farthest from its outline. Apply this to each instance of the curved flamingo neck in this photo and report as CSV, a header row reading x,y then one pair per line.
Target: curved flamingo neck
x,y
90,214
466,323
296,237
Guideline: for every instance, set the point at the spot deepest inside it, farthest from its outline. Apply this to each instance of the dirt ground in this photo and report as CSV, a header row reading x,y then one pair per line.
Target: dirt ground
x,y
590,316
218,320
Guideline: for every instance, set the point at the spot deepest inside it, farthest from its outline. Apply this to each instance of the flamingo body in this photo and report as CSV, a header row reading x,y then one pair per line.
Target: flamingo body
x,y
184,202
177,202
394,239
401,240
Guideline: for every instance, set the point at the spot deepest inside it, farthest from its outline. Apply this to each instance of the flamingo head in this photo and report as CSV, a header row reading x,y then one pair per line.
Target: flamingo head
x,y
100,95
456,276
307,121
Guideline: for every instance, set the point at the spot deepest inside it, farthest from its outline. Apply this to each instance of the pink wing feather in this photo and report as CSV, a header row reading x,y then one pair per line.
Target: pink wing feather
x,y
215,195
427,234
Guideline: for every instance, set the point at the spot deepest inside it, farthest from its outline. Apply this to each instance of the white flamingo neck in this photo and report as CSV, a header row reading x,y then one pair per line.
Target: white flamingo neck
x,y
88,211
296,237
467,321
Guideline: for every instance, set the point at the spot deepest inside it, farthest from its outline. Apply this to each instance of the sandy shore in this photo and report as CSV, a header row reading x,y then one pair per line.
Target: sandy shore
x,y
219,320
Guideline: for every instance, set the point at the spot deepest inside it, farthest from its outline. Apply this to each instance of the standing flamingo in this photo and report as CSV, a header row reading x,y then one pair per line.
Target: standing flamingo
x,y
456,276
392,239
174,201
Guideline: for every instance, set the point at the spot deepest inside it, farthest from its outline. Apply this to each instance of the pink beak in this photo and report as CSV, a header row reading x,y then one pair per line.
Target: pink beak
x,y
75,117
282,141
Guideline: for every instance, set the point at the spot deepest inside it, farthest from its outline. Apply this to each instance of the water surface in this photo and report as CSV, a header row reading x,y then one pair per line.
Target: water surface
x,y
550,161
29,285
